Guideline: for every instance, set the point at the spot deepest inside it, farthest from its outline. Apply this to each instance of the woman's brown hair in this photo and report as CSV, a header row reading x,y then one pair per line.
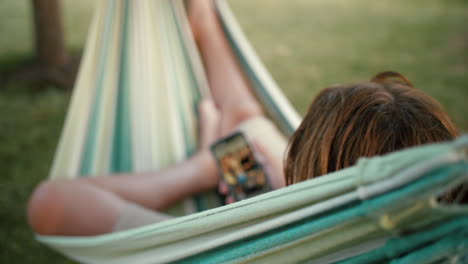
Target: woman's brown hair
x,y
345,123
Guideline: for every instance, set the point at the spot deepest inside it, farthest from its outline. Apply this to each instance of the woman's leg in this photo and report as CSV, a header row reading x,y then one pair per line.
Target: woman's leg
x,y
91,206
229,87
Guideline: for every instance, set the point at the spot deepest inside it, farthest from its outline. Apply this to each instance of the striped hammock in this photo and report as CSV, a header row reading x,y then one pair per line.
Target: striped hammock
x,y
134,109
136,95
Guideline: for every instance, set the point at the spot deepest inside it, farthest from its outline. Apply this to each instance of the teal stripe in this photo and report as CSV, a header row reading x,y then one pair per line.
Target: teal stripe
x,y
396,247
250,246
121,160
190,145
195,91
444,251
89,154
202,201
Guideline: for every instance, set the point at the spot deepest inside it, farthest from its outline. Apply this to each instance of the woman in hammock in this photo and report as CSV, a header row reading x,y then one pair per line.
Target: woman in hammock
x,y
342,124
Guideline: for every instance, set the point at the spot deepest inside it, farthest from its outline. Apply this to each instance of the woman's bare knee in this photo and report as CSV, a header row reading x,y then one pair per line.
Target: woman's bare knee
x,y
234,114
73,207
43,207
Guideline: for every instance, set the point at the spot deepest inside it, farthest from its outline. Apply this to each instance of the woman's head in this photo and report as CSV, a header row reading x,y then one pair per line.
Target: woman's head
x,y
344,123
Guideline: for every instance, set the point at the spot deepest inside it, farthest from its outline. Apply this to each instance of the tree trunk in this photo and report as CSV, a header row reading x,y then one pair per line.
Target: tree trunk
x,y
49,36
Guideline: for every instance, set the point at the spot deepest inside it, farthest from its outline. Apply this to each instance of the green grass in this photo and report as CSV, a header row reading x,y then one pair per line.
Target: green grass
x,y
29,128
306,45
16,25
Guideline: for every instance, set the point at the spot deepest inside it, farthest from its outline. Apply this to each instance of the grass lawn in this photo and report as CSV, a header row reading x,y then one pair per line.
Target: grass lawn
x,y
306,44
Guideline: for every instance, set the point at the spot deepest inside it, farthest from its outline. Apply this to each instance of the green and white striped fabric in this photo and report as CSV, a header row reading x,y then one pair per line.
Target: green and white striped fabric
x,y
136,95
378,205
134,109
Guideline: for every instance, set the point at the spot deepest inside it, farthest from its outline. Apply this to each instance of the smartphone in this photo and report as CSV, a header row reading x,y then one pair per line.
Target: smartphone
x,y
239,169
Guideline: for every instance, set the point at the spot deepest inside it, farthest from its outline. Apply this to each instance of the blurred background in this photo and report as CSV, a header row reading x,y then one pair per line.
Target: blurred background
x,y
306,44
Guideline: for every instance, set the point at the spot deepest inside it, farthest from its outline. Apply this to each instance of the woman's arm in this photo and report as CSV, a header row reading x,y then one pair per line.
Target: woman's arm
x,y
92,205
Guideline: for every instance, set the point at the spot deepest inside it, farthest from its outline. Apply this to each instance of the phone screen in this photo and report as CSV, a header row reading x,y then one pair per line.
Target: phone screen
x,y
239,168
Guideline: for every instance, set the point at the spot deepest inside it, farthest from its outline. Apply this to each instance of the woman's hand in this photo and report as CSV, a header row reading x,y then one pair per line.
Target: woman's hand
x,y
272,164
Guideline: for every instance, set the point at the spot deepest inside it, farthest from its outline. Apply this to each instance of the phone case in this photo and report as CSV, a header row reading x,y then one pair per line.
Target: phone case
x,y
239,168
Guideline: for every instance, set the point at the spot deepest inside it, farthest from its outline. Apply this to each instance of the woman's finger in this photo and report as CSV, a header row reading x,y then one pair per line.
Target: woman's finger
x,y
230,200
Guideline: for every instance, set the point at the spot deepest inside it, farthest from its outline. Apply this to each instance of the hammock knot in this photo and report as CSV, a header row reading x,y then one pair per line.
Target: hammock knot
x,y
386,222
